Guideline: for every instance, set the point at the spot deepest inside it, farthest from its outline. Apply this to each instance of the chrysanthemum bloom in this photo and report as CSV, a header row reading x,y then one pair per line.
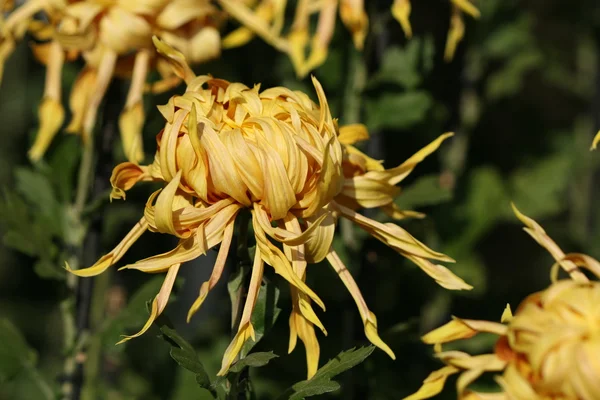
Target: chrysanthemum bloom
x,y
114,38
265,19
401,11
549,350
227,147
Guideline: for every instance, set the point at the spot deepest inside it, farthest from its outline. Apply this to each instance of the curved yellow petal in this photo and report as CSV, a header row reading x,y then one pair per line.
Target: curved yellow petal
x,y
401,12
369,319
115,255
433,384
159,303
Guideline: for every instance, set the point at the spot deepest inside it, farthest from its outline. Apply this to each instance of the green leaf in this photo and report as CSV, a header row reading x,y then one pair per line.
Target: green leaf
x,y
321,382
508,80
397,110
264,315
184,354
425,191
17,366
37,190
402,65
539,189
62,163
253,360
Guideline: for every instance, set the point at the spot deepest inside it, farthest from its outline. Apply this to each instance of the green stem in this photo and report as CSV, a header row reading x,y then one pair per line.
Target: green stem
x,y
68,306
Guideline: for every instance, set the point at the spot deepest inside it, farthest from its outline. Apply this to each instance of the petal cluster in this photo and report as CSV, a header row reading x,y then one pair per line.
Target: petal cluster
x,y
114,38
227,149
547,350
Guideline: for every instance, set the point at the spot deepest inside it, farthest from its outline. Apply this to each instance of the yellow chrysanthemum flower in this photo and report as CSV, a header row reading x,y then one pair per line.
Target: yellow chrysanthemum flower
x,y
227,147
401,11
547,351
114,38
265,18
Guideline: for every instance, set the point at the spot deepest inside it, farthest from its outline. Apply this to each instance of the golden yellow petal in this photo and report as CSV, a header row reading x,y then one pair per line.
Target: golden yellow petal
x,y
51,114
216,272
594,143
131,120
176,59
244,333
539,235
245,330
254,22
319,244
369,319
401,12
397,174
449,332
159,303
115,255
507,314
164,207
468,7
433,384
455,34
442,275
275,258
79,99
350,134
353,15
104,76
125,176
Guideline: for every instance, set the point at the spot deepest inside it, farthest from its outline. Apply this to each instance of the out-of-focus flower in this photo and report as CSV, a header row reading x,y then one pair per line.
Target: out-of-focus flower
x,y
401,11
265,19
114,38
547,351
227,148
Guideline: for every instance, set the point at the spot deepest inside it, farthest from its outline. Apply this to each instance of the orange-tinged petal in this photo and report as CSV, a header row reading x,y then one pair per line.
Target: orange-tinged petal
x,y
115,255
369,319
125,176
159,303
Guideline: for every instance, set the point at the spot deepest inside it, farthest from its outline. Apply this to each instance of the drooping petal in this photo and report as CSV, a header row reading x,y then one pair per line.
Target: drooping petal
x,y
51,112
275,258
176,59
131,119
539,235
245,331
401,11
80,97
353,15
217,271
455,33
103,78
468,7
317,247
159,303
369,319
115,255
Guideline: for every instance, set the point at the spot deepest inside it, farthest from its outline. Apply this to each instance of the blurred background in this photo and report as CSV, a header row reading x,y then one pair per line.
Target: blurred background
x,y
523,96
